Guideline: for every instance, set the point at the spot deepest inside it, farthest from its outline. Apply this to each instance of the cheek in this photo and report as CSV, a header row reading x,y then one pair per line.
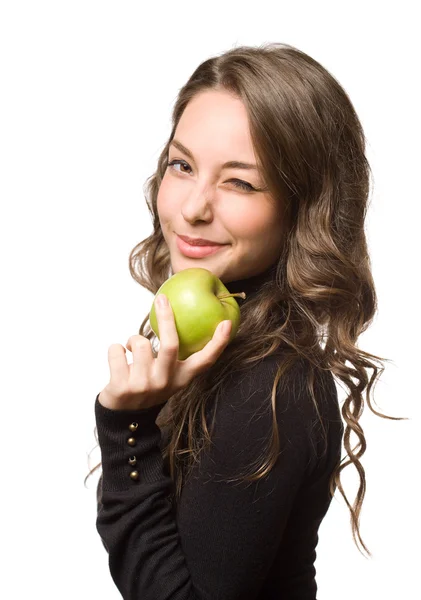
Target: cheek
x,y
254,222
162,200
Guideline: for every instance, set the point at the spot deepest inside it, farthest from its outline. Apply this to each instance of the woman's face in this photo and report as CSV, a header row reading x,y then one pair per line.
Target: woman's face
x,y
199,198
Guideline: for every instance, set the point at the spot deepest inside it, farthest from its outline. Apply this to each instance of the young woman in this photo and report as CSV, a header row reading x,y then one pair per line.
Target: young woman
x,y
217,471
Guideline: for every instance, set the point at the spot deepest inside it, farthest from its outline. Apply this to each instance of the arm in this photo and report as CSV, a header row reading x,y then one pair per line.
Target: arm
x,y
224,537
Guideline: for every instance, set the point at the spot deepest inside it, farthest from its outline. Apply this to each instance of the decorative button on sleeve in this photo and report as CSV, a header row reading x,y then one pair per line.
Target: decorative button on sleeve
x,y
130,443
134,475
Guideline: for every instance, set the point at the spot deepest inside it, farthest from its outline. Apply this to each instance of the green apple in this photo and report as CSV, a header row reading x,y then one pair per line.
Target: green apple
x,y
199,301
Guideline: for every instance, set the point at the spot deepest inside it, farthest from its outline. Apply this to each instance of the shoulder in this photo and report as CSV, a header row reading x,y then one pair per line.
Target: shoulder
x,y
311,395
292,387
244,416
245,406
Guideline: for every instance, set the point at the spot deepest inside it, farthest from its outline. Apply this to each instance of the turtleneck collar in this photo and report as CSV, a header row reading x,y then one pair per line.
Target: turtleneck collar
x,y
251,285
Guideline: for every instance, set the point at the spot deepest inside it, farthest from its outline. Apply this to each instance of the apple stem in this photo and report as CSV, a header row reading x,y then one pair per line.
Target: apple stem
x,y
239,294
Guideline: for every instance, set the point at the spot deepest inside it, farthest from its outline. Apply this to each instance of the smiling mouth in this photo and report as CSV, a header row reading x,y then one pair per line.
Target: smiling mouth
x,y
195,251
198,241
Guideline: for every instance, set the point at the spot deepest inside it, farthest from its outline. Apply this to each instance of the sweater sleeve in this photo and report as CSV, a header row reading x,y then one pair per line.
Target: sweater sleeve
x,y
221,540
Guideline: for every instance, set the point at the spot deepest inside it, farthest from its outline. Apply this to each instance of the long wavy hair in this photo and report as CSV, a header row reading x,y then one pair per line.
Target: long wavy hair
x,y
310,146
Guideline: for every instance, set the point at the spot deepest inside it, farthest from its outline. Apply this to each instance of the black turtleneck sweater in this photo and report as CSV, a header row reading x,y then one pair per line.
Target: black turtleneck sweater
x,y
222,541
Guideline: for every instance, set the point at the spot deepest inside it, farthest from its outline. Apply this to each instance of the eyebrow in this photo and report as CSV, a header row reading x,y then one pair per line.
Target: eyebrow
x,y
231,164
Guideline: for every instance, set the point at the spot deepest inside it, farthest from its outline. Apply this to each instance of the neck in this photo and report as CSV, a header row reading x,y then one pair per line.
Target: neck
x,y
250,285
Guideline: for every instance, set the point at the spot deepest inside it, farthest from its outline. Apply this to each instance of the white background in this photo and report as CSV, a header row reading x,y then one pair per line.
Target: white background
x,y
87,90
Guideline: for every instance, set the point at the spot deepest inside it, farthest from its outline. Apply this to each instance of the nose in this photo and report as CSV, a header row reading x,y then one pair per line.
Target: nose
x,y
197,207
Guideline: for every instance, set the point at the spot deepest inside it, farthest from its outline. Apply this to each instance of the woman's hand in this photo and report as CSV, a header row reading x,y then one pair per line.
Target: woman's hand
x,y
149,381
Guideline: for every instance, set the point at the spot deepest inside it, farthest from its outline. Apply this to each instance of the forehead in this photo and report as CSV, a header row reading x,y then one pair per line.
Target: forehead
x,y
216,122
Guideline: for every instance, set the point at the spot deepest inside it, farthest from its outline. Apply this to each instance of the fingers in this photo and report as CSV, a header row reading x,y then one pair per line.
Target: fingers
x,y
168,342
148,373
117,361
141,350
205,358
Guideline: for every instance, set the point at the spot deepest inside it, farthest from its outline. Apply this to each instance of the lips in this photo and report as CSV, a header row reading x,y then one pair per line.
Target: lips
x,y
199,241
197,251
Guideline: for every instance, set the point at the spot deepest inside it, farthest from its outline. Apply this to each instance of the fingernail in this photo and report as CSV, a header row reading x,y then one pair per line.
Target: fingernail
x,y
162,301
226,327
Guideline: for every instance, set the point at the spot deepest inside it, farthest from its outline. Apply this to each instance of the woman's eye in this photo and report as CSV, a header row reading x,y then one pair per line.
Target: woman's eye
x,y
178,162
243,185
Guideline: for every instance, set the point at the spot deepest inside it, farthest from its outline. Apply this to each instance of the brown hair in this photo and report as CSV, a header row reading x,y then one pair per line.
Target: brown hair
x,y
310,146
